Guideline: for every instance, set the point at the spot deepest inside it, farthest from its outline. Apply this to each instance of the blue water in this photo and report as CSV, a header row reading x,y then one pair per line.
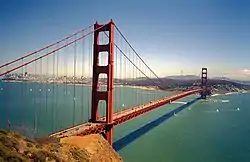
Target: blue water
x,y
212,130
197,133
47,108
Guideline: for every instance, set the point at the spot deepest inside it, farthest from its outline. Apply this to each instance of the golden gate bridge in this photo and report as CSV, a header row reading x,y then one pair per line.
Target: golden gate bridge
x,y
99,56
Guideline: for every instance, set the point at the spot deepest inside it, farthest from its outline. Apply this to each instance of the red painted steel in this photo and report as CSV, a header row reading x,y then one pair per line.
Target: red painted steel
x,y
204,83
152,106
120,117
106,124
107,96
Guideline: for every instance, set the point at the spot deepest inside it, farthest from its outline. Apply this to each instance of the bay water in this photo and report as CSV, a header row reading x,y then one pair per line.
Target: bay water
x,y
212,130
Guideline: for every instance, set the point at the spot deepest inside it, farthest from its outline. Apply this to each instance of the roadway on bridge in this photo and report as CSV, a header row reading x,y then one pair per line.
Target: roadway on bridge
x,y
120,117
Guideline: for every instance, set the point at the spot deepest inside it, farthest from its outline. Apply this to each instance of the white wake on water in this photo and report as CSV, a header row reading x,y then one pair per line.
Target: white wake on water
x,y
179,102
215,95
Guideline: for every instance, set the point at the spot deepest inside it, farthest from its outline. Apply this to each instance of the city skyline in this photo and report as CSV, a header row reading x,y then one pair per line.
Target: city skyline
x,y
181,36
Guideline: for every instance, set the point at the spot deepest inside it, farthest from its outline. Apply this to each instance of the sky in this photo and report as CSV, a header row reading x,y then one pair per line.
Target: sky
x,y
170,35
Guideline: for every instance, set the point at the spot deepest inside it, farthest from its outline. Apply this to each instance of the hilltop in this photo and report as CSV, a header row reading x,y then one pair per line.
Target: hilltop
x,y
179,83
92,148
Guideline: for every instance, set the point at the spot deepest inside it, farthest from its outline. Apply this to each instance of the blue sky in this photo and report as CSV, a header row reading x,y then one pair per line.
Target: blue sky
x,y
171,35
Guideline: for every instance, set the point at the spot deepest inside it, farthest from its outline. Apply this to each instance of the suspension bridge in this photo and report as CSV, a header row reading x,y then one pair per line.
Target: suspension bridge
x,y
78,86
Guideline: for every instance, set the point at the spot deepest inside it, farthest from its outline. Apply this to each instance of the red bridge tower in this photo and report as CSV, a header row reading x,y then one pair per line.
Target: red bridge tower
x,y
108,95
204,88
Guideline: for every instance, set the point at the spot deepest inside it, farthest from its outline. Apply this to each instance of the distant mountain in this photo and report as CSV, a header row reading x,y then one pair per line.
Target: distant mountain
x,y
187,81
232,80
183,77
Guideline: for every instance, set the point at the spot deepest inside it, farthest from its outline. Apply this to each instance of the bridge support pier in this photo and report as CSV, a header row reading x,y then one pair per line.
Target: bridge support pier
x,y
204,91
108,95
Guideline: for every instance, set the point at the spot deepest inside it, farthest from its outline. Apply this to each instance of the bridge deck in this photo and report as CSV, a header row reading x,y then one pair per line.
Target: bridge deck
x,y
120,117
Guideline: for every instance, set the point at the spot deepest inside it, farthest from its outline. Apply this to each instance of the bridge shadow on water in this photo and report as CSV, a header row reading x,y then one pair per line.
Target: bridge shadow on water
x,y
124,141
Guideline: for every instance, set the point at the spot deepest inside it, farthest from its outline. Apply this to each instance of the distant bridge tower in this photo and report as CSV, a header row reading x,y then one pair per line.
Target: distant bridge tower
x,y
204,88
108,95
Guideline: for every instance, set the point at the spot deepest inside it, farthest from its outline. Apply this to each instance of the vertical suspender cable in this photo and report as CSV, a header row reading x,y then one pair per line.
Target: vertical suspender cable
x,y
46,88
57,90
66,77
133,76
34,99
128,71
155,91
53,94
125,69
74,80
89,79
82,80
22,94
26,99
141,90
145,85
117,78
40,94
138,81
121,104
120,100
7,101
